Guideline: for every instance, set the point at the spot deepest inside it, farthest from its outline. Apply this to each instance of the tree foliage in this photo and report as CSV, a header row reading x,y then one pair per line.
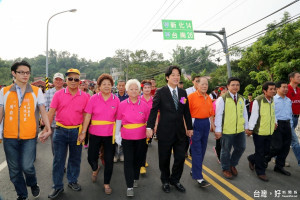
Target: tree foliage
x,y
273,56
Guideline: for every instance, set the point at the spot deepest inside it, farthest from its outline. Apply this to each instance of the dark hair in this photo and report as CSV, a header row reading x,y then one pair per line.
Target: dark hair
x,y
170,69
15,66
233,79
103,77
292,75
180,82
279,83
121,81
145,82
266,85
194,77
249,94
153,79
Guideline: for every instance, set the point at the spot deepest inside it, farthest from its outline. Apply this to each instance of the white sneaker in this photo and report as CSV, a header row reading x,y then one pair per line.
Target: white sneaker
x,y
135,184
122,158
130,192
115,159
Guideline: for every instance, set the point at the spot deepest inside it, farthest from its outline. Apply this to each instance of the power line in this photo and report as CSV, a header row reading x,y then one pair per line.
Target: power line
x,y
159,17
258,21
261,32
146,36
149,21
208,19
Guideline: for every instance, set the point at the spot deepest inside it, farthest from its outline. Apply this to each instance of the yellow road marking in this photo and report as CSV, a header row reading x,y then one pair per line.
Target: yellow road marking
x,y
216,185
222,180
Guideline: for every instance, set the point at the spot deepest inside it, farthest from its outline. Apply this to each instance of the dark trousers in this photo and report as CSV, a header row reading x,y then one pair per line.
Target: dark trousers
x,y
198,146
280,144
187,145
64,139
164,154
262,148
218,147
20,157
93,154
134,155
238,142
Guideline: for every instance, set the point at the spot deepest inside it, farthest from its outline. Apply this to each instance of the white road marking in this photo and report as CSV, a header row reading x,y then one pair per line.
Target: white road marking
x,y
3,165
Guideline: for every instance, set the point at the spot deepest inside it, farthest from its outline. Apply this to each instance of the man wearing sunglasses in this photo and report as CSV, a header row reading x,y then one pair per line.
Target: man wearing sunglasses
x,y
69,105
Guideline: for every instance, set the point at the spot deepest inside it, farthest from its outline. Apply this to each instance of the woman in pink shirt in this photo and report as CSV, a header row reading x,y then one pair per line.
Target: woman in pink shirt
x,y
147,98
132,116
101,110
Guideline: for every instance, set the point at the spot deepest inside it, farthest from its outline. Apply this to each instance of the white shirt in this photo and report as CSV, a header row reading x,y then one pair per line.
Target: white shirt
x,y
190,90
255,114
220,110
1,130
171,90
211,96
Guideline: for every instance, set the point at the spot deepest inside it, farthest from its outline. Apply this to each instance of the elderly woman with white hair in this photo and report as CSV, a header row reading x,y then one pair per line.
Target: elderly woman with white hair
x,y
132,116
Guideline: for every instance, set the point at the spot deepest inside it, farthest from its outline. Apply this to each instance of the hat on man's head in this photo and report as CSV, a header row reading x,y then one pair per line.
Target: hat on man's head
x,y
76,71
58,75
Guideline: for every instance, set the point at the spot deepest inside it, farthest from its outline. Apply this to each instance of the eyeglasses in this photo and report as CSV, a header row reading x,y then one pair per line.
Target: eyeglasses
x,y
23,73
197,81
75,79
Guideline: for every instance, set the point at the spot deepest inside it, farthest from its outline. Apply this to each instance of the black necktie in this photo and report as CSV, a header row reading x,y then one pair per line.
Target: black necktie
x,y
234,99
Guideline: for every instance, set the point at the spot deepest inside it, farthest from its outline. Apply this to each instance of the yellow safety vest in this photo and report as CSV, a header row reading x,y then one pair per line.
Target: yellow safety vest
x,y
266,121
233,119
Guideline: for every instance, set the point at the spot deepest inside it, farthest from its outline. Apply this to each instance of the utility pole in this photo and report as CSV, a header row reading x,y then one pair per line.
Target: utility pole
x,y
223,42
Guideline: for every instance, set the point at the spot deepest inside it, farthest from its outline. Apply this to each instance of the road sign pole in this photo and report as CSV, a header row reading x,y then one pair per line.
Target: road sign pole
x,y
226,54
223,42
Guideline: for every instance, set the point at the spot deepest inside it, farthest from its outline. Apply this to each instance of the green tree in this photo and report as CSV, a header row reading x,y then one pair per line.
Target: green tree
x,y
273,56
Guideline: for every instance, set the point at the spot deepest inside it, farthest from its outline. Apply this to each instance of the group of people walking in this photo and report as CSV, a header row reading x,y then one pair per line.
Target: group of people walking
x,y
121,125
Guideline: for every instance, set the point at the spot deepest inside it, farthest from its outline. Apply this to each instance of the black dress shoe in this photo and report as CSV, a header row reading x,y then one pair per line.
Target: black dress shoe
x,y
178,187
166,187
282,171
55,193
251,165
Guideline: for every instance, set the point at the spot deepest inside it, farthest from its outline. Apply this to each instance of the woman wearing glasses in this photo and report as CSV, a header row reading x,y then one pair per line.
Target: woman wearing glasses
x,y
101,111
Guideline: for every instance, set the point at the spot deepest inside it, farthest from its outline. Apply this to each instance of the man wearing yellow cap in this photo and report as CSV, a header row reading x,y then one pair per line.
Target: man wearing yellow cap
x,y
69,105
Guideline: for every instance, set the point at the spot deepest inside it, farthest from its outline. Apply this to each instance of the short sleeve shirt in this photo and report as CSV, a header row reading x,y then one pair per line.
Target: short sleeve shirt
x,y
69,109
102,110
200,107
133,113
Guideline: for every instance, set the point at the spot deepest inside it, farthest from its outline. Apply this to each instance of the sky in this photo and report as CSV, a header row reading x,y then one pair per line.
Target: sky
x,y
99,28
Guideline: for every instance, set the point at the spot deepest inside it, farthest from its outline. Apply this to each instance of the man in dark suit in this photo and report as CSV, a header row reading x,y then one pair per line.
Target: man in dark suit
x,y
172,103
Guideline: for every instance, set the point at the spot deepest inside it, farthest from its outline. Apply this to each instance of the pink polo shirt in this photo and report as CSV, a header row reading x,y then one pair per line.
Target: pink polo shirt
x,y
103,111
133,113
69,109
149,102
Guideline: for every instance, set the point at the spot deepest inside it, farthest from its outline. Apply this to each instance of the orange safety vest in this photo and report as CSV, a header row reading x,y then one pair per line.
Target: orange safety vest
x,y
20,122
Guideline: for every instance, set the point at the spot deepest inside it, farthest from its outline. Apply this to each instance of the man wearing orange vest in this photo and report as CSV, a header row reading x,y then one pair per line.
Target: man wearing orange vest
x,y
21,104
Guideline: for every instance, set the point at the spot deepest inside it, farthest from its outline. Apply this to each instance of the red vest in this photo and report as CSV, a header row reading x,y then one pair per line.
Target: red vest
x,y
295,98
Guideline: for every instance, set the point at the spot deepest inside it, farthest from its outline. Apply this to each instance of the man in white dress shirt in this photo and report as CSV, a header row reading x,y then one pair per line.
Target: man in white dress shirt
x,y
231,121
190,90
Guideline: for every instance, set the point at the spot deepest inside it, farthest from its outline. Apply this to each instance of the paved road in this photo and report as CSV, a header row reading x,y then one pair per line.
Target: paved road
x,y
245,186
